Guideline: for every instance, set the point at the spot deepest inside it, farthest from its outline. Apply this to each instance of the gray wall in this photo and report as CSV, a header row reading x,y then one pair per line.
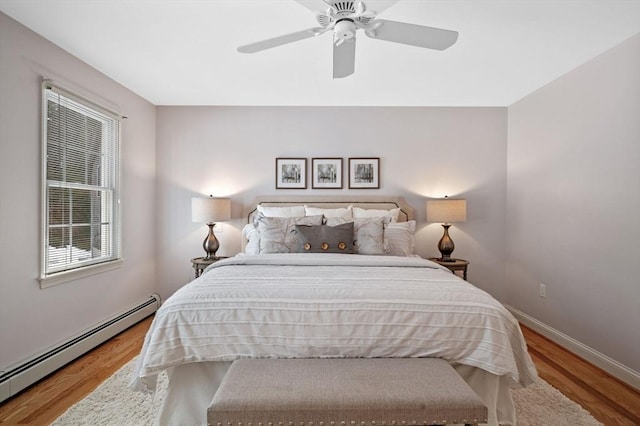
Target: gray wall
x,y
566,186
574,202
424,152
31,318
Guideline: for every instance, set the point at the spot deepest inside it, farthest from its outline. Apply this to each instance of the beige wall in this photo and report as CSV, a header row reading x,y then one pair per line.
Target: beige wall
x,y
423,152
574,201
31,318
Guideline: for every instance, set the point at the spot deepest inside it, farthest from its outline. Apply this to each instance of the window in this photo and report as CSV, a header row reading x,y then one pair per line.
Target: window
x,y
81,220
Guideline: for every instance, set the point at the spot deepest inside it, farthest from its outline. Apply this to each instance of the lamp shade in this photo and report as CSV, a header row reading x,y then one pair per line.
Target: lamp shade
x,y
447,211
208,210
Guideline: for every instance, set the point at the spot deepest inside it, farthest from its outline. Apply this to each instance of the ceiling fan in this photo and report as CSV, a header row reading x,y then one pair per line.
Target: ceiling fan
x,y
344,18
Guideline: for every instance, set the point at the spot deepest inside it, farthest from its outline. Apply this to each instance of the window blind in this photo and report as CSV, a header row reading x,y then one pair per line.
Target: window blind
x,y
81,185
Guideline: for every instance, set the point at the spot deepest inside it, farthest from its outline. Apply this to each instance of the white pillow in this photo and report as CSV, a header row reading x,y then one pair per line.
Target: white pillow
x,y
359,213
399,238
253,239
344,212
274,211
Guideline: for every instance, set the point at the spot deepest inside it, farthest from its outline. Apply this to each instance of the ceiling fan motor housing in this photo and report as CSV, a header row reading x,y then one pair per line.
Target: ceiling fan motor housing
x,y
344,7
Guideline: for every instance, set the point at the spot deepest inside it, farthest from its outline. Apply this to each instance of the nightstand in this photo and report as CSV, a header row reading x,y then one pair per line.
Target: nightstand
x,y
200,263
456,265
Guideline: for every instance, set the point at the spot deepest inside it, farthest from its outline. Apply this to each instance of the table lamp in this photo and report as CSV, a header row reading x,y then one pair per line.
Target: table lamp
x,y
446,211
210,210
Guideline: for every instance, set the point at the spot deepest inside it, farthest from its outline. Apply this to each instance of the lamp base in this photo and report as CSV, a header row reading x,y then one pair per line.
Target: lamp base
x,y
445,245
210,244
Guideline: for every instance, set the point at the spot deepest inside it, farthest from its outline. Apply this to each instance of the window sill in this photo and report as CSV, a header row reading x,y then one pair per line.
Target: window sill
x,y
64,277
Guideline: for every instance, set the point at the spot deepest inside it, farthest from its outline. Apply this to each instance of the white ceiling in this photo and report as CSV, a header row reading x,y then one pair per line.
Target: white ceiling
x,y
183,52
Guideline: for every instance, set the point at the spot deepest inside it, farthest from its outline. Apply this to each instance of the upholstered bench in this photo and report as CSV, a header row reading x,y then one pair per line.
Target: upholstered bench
x,y
344,392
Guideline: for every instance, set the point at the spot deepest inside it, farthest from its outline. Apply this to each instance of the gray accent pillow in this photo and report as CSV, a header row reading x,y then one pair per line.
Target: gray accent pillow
x,y
278,234
326,239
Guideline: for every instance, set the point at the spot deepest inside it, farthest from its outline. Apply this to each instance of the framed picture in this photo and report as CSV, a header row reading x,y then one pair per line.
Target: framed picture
x,y
326,173
364,173
291,173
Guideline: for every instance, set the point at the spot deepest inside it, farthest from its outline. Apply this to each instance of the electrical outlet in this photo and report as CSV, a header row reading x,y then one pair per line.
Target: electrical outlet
x,y
543,290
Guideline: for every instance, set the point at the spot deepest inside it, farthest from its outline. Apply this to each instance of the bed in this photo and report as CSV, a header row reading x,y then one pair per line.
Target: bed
x,y
298,291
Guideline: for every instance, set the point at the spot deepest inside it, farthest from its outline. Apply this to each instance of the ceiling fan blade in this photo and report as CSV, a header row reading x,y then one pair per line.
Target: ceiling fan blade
x,y
314,5
414,35
280,40
344,58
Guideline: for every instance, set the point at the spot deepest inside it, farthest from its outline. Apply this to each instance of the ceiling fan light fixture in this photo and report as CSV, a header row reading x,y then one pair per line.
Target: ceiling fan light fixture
x,y
345,29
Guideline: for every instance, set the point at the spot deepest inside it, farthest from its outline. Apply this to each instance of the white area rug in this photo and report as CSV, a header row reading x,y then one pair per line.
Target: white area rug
x,y
113,404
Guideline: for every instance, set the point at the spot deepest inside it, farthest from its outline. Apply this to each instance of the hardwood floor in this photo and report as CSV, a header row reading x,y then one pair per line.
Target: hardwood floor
x,y
46,400
609,400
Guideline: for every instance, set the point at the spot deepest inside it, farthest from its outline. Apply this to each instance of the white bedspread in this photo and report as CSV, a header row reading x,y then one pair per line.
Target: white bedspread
x,y
326,305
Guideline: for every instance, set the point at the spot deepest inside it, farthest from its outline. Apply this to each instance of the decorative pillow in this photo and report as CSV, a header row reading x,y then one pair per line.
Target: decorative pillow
x,y
399,238
344,212
253,239
335,221
369,233
278,234
274,211
326,239
359,213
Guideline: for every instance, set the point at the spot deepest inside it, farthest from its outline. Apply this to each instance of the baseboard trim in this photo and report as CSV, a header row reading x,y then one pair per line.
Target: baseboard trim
x,y
610,365
18,377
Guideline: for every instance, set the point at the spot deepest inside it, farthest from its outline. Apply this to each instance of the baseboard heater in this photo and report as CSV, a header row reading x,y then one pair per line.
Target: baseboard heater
x,y
20,376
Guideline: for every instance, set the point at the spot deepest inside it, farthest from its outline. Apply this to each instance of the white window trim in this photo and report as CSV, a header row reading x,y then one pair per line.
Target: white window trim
x,y
75,274
53,279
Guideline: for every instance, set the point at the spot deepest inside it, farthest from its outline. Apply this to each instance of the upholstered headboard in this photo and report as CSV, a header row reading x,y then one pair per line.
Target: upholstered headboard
x,y
365,202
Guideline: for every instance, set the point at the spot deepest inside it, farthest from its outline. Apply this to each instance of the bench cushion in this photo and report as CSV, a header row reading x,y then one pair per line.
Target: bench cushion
x,y
361,391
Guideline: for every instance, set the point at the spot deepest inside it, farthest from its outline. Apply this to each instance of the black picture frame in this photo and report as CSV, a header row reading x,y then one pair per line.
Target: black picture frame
x,y
326,173
291,173
364,173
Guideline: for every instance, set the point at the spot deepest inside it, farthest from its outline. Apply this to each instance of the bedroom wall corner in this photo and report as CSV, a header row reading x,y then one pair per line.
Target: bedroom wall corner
x,y
573,197
33,319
